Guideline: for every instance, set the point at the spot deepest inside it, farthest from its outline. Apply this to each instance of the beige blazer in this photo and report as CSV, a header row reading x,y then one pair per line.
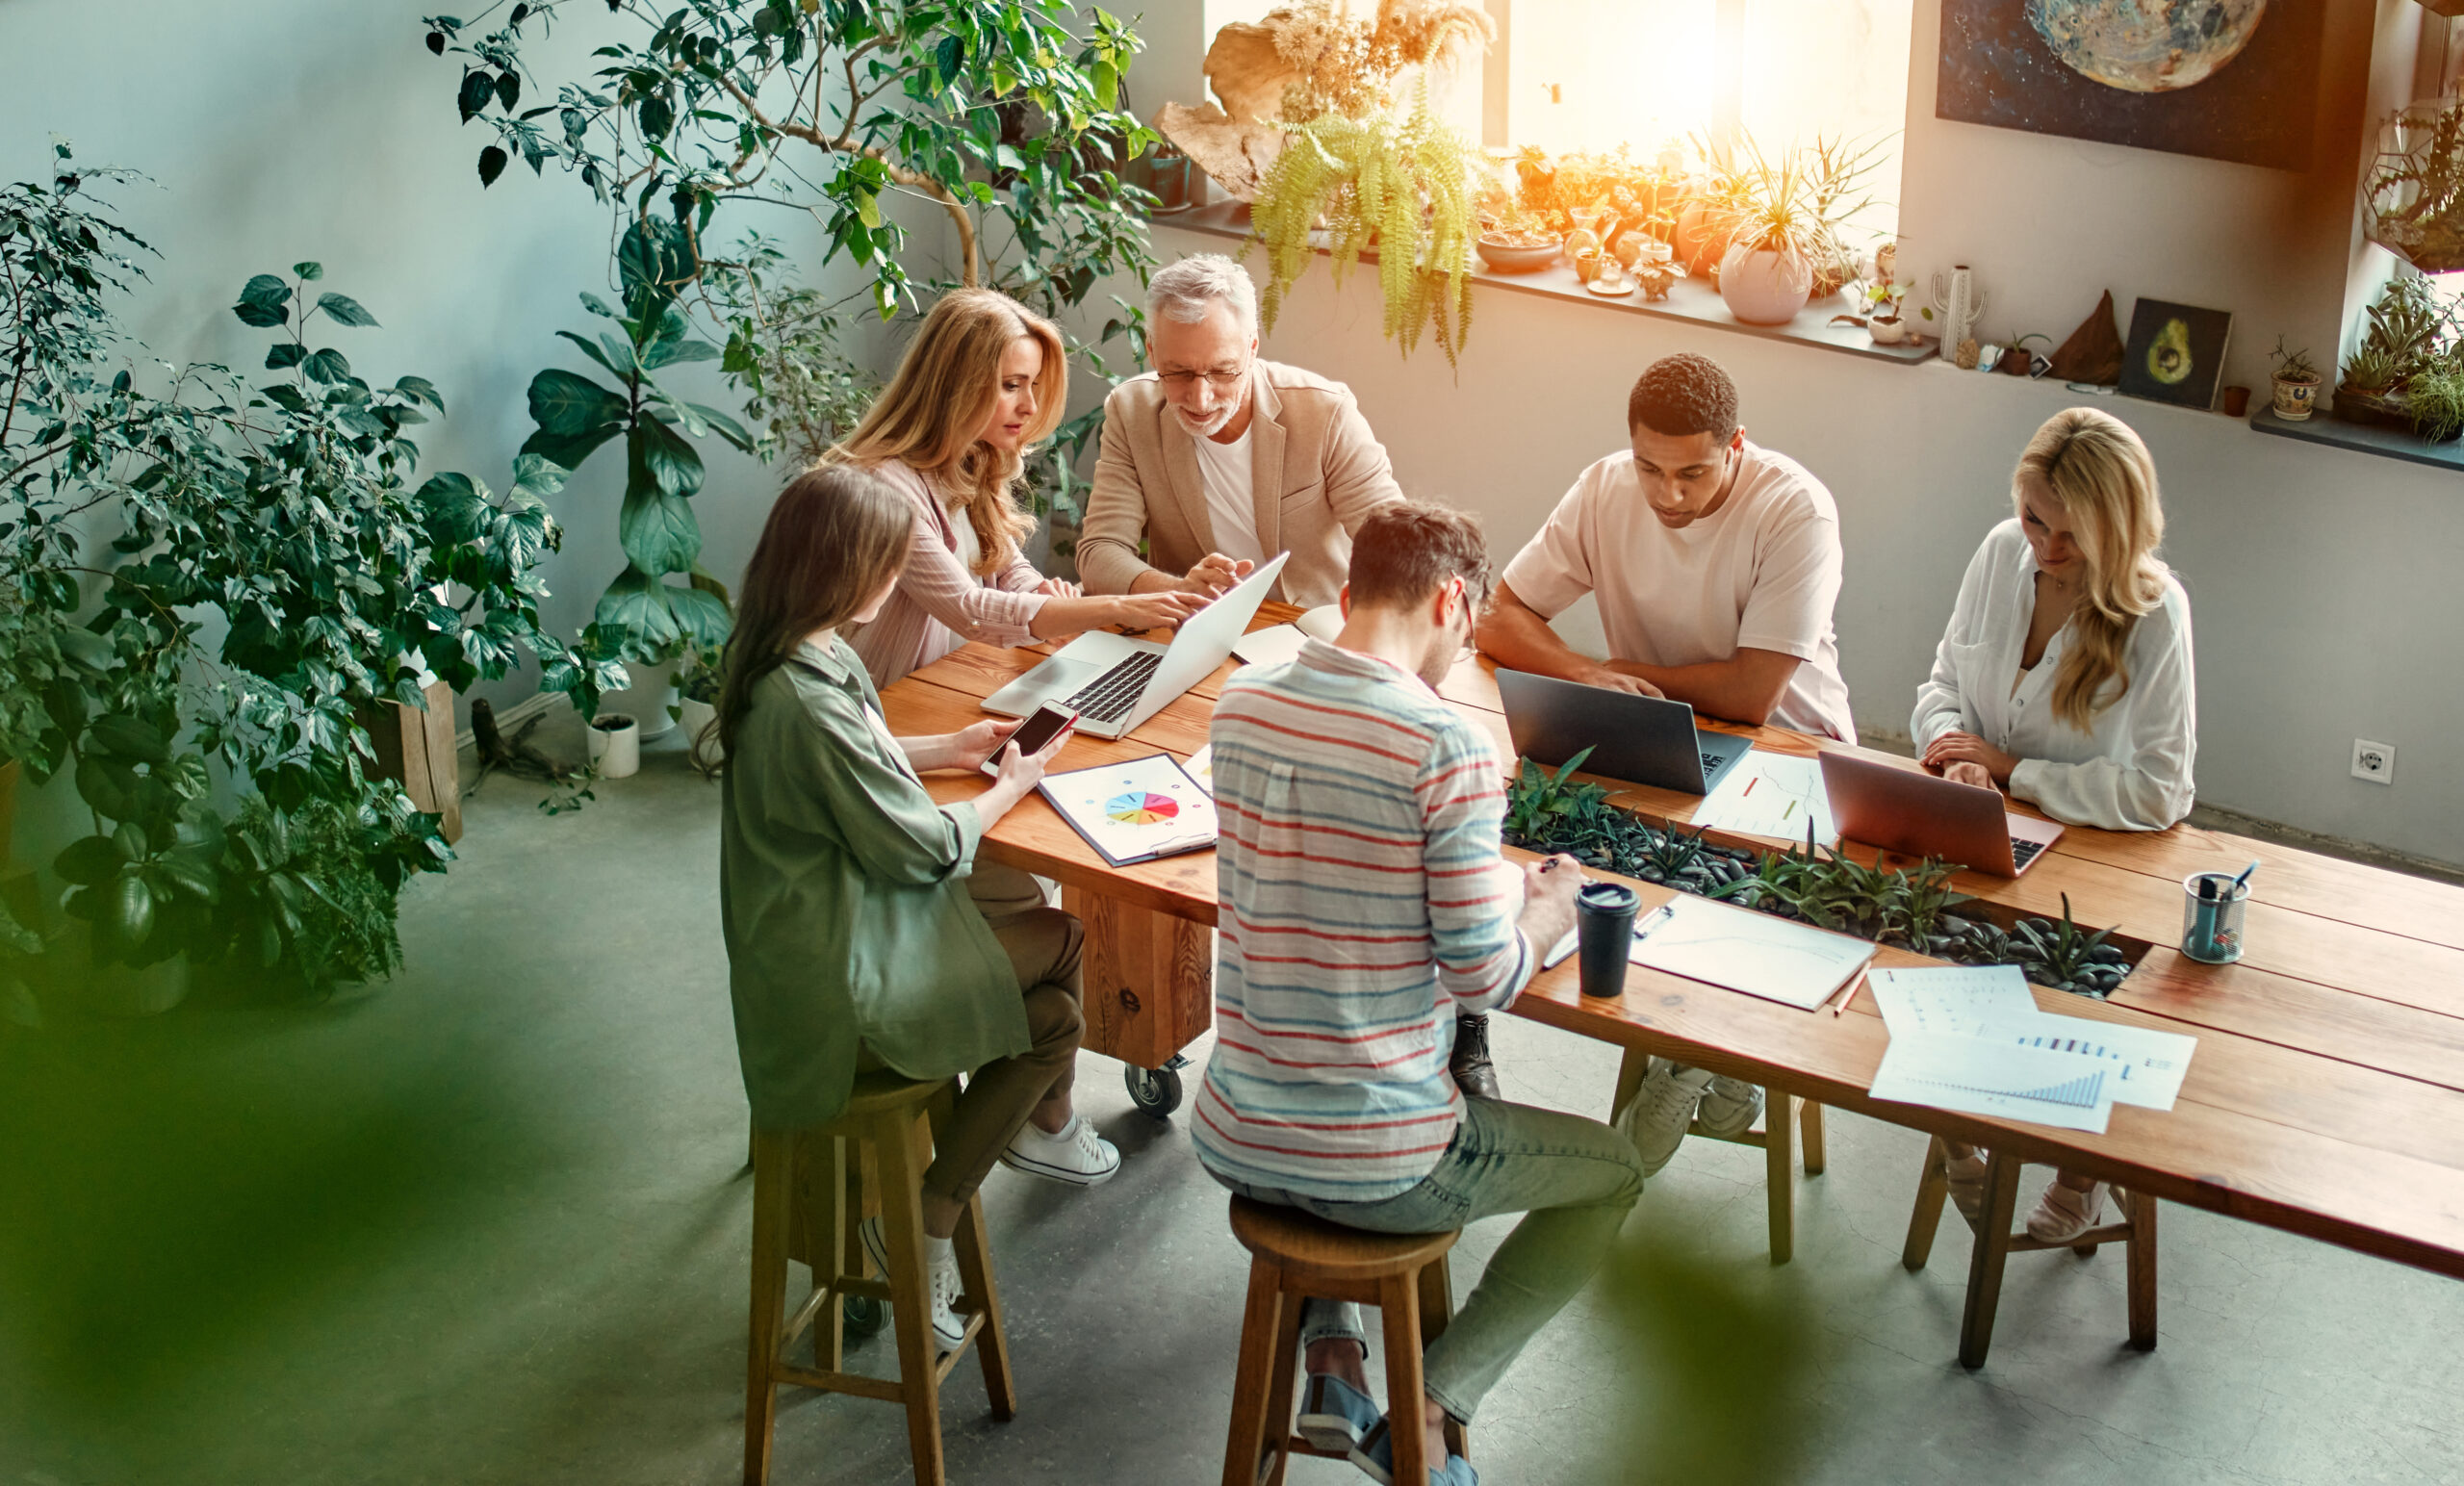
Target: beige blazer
x,y
1316,472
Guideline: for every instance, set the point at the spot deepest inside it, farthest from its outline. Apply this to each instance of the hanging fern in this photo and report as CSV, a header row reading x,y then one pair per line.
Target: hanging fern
x,y
1405,183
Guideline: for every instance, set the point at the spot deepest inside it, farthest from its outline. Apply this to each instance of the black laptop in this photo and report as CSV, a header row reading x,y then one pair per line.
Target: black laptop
x,y
1643,740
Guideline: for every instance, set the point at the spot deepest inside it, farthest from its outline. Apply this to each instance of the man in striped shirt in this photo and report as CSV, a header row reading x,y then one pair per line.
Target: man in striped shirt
x,y
1362,902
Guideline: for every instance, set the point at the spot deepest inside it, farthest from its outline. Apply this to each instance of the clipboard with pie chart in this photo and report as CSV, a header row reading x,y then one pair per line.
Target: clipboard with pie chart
x,y
1135,812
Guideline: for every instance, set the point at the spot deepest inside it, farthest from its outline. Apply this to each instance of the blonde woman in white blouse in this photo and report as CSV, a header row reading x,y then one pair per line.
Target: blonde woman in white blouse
x,y
984,382
2065,678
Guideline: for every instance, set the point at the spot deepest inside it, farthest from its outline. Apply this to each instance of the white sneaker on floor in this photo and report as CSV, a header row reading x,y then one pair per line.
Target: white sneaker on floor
x,y
1077,1155
1729,1107
1656,1118
940,1280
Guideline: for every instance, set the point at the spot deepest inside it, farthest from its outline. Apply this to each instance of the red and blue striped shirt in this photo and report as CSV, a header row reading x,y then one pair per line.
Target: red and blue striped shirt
x,y
1361,903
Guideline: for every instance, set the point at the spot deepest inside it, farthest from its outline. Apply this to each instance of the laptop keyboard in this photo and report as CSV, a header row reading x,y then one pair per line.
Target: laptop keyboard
x,y
1109,697
2024,851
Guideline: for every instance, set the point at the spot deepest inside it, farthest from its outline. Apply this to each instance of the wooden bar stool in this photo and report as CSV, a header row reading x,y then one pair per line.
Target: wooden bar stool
x,y
1294,1256
875,1152
1995,1243
1784,1115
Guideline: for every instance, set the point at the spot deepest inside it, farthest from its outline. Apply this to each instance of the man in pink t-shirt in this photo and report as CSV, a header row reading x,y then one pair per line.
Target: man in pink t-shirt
x,y
1715,561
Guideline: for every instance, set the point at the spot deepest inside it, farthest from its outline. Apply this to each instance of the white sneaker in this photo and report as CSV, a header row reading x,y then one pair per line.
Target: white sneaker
x,y
940,1280
1656,1118
1077,1155
1729,1107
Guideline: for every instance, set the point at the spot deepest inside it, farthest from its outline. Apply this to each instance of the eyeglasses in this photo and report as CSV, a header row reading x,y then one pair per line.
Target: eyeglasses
x,y
1221,379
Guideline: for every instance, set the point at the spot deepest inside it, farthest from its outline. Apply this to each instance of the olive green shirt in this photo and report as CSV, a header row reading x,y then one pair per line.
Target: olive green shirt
x,y
843,896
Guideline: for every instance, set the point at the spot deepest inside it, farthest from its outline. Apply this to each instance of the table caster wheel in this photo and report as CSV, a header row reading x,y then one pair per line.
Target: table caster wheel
x,y
1156,1091
862,1315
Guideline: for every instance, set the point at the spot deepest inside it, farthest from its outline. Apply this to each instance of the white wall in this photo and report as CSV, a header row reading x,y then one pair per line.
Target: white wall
x,y
2323,585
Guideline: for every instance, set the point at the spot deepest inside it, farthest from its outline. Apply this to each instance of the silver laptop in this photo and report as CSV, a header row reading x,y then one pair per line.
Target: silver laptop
x,y
1114,682
1910,811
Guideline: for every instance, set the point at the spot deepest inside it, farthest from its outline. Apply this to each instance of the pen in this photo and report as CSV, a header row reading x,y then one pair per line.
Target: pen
x,y
2244,877
1850,999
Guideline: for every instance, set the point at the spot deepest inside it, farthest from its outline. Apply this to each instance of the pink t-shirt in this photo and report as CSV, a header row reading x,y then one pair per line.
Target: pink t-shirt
x,y
1759,573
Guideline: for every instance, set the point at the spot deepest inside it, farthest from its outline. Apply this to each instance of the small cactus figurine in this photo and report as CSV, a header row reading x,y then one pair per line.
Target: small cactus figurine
x,y
1960,305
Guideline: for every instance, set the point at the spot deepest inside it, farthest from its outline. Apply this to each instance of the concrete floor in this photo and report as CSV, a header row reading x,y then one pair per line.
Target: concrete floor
x,y
485,1223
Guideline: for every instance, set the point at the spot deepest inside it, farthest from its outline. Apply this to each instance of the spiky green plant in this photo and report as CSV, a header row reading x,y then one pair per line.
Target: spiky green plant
x,y
1405,181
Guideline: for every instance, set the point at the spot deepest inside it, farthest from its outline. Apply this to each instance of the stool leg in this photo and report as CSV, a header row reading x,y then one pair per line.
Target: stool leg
x,y
1927,1216
1437,1308
2141,1250
893,1141
1252,1378
1279,1402
1810,1130
773,1164
1398,1307
1985,1261
832,1237
993,1342
1779,1172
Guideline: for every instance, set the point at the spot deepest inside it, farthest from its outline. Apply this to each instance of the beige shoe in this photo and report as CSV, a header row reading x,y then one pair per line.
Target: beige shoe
x,y
1967,1179
2063,1213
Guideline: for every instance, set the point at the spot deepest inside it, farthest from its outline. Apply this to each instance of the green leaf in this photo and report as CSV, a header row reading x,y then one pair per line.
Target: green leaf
x,y
267,290
597,306
537,477
728,428
127,737
634,609
509,90
868,211
283,355
702,615
477,88
658,455
264,316
567,405
456,508
327,365
611,358
85,649
659,531
131,909
311,272
669,352
109,787
567,452
491,163
89,861
345,310
1107,80
420,390
658,116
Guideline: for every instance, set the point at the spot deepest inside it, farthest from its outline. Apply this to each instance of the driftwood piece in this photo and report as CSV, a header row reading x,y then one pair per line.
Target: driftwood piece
x,y
515,756
2093,351
1235,156
1247,74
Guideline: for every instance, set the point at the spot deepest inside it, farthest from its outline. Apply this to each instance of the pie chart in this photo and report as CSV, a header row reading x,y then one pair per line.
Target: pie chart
x,y
1138,808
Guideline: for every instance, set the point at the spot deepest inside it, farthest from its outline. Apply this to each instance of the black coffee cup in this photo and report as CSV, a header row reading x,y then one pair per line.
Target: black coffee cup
x,y
1604,931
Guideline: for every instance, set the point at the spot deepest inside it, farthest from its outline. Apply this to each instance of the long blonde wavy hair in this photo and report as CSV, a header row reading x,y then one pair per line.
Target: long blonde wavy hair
x,y
938,400
2106,481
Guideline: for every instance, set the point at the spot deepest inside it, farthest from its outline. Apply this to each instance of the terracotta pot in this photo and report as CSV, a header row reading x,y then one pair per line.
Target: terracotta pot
x,y
1764,288
2295,400
2237,401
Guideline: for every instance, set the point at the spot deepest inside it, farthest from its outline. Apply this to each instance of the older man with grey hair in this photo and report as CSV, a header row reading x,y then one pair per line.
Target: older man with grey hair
x,y
1217,460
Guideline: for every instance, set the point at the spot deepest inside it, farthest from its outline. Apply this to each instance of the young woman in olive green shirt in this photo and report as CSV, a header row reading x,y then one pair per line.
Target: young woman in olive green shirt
x,y
853,940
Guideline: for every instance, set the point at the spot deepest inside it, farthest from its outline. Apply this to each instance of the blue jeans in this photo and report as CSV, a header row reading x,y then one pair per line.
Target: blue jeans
x,y
1575,1177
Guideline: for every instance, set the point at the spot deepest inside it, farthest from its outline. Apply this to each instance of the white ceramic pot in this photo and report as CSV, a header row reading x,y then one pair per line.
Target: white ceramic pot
x,y
653,697
615,745
2293,400
1888,332
1764,288
700,735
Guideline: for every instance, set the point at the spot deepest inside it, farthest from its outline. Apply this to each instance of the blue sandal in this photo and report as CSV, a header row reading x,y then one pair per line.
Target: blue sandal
x,y
1334,1414
1374,1454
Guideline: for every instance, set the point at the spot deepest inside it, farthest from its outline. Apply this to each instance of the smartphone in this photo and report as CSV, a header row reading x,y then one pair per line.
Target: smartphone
x,y
1040,727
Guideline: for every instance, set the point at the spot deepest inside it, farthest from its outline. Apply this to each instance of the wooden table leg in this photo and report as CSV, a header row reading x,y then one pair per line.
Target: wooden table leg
x,y
1149,978
1927,1216
2142,1248
773,1171
1631,1073
1809,1126
1986,1260
1779,1172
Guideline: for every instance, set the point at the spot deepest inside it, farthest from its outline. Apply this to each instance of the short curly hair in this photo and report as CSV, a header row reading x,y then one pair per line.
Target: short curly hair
x,y
1682,396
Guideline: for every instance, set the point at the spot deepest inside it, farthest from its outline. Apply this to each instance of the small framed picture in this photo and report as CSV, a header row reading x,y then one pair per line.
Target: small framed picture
x,y
2175,353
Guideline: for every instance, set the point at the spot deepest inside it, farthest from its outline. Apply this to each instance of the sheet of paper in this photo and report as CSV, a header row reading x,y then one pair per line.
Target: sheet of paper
x,y
1755,953
1137,809
1322,623
1956,998
1201,768
1956,1070
1771,794
2142,1067
1270,646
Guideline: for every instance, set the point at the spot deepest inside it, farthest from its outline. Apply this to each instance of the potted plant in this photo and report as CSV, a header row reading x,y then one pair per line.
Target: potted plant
x,y
2413,193
2296,382
701,678
615,746
2408,331
1884,303
1784,224
2434,400
1518,241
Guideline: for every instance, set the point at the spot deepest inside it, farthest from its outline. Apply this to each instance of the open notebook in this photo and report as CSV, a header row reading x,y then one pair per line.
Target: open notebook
x,y
1281,642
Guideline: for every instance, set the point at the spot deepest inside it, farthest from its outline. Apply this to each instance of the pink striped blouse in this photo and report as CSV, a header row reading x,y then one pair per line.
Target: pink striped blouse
x,y
940,604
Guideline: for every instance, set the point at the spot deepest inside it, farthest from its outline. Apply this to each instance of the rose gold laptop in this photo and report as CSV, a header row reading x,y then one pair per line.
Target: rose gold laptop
x,y
1916,813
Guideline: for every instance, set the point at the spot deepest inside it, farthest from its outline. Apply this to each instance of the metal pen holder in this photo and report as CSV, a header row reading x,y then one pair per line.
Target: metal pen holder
x,y
2212,926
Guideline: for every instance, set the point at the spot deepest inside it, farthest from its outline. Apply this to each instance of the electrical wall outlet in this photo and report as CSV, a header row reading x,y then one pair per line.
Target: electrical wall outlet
x,y
2374,761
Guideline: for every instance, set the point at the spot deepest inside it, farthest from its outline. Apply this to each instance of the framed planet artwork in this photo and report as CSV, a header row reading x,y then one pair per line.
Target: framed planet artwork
x,y
2227,79
2175,353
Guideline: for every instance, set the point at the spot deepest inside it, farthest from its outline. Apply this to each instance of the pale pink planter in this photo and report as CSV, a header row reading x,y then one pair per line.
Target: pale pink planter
x,y
1764,288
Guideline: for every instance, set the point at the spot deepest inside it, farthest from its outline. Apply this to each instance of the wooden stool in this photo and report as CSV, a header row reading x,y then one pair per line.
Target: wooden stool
x,y
1995,1242
874,1152
1776,1138
1294,1256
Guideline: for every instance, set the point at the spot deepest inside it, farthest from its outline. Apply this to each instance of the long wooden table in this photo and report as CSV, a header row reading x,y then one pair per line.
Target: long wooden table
x,y
2326,1097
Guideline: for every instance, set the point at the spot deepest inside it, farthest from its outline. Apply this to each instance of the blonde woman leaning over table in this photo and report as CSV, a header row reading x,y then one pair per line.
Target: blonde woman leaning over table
x,y
854,940
2065,677
984,382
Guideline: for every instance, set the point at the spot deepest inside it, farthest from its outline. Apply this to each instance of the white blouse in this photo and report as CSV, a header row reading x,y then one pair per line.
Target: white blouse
x,y
2131,770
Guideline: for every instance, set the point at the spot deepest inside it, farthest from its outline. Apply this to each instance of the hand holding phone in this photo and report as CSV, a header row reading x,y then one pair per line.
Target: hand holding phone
x,y
1040,727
